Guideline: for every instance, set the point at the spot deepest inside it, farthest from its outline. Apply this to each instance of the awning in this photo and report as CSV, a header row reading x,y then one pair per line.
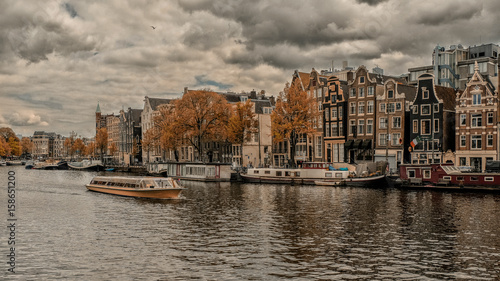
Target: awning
x,y
357,144
348,144
367,144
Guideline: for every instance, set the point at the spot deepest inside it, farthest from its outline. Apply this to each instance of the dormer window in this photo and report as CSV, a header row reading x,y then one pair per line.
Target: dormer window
x,y
476,99
425,94
243,99
361,80
390,94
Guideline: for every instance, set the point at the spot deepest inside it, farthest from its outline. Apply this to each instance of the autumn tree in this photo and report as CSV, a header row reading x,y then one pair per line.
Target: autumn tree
x,y
78,147
167,128
68,146
4,147
295,114
101,141
15,146
242,123
26,145
202,117
90,149
149,140
112,149
7,133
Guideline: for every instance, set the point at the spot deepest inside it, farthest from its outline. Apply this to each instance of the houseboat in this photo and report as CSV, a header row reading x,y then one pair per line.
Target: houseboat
x,y
143,187
192,171
447,176
86,165
315,173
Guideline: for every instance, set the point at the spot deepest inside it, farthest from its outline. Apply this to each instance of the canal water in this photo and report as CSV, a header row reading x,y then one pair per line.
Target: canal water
x,y
233,231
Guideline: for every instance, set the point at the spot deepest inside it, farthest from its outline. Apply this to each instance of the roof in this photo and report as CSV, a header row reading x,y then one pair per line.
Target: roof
x,y
155,102
380,79
409,91
260,104
448,95
135,115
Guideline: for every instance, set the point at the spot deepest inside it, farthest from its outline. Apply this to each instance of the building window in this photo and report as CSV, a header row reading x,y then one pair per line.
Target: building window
x,y
353,108
476,142
396,122
382,107
335,131
369,126
426,127
340,112
383,123
415,109
489,140
398,106
361,80
371,91
490,118
476,99
395,139
436,107
463,119
352,94
391,108
382,139
334,113
425,94
327,129
463,140
436,125
462,161
369,107
361,108
361,92
361,127
426,109
341,129
352,127
476,120
319,147
390,94
327,114
415,126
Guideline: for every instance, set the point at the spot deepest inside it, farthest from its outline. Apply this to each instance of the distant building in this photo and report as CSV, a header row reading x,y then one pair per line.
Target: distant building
x,y
432,121
477,122
335,120
392,105
47,145
148,113
130,147
453,67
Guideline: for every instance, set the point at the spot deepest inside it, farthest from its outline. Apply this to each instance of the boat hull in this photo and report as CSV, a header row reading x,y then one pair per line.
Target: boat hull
x,y
374,181
163,193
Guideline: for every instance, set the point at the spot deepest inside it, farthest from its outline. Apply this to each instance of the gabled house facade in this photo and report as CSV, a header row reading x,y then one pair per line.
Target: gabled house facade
x,y
361,116
477,123
432,122
390,125
148,113
334,120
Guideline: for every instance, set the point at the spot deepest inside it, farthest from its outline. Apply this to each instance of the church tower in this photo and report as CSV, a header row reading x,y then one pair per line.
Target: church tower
x,y
97,118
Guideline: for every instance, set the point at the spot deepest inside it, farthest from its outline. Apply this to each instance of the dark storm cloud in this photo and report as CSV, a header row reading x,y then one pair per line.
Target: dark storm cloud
x,y
445,13
371,2
40,100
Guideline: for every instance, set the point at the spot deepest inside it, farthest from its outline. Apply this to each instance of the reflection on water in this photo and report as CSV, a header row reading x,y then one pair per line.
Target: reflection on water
x,y
223,231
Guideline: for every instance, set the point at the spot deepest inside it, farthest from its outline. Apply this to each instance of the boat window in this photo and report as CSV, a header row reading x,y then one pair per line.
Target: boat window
x,y
427,174
255,171
297,174
267,172
328,175
473,178
447,178
278,174
338,175
287,173
411,173
460,178
488,178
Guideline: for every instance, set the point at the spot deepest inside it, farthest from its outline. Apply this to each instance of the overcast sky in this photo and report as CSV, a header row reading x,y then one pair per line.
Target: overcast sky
x,y
59,58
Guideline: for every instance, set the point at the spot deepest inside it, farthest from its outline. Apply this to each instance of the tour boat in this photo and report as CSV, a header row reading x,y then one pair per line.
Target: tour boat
x,y
144,187
447,176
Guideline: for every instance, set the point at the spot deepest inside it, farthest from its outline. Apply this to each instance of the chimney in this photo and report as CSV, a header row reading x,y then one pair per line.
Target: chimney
x,y
185,90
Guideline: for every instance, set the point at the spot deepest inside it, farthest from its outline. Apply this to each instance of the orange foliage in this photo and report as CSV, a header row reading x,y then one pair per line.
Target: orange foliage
x,y
26,145
295,114
202,116
101,140
242,123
